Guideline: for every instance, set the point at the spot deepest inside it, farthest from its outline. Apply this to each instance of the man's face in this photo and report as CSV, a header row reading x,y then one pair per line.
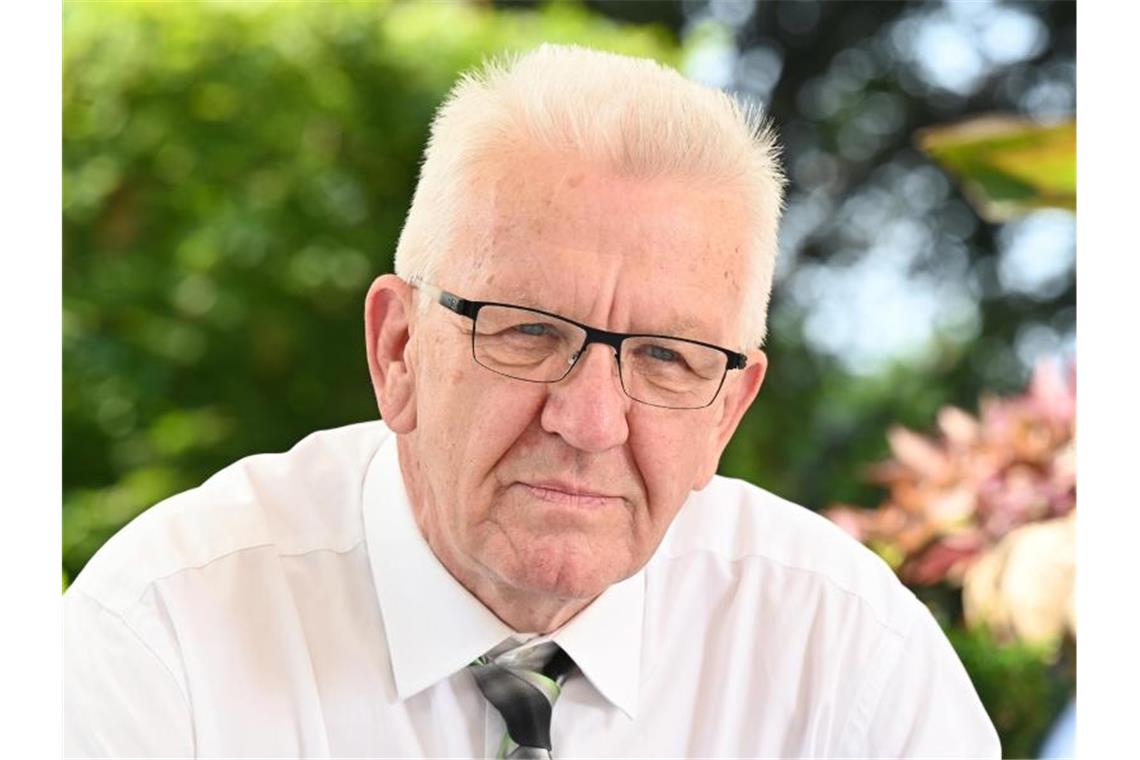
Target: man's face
x,y
564,489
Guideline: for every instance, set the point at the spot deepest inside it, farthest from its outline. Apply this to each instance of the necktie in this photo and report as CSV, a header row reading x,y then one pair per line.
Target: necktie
x,y
525,698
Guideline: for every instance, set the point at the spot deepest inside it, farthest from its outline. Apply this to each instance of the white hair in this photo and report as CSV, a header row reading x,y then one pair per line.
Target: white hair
x,y
632,115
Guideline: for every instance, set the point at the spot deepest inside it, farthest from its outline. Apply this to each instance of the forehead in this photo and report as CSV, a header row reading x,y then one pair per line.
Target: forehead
x,y
654,254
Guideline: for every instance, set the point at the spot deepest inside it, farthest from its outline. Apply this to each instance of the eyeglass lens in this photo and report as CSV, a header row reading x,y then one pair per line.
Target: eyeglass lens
x,y
527,345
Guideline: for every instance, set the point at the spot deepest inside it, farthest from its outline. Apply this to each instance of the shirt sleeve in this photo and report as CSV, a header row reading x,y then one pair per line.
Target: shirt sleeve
x,y
923,705
120,699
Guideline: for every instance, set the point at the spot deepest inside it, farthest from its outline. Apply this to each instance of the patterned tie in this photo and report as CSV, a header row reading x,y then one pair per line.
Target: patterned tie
x,y
525,698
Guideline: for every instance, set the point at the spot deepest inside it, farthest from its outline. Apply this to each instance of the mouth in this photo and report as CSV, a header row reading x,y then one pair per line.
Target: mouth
x,y
556,492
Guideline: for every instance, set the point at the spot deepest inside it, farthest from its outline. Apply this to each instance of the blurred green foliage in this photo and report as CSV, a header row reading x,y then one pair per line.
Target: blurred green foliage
x,y
1022,690
234,176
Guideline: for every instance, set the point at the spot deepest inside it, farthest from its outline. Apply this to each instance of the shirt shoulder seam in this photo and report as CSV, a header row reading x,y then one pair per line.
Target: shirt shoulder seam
x,y
870,691
148,584
811,571
145,645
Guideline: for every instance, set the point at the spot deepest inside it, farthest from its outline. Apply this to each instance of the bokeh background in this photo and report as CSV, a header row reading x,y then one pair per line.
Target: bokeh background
x,y
235,174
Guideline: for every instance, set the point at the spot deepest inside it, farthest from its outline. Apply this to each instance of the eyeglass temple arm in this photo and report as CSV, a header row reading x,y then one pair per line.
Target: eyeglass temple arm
x,y
449,301
459,305
452,302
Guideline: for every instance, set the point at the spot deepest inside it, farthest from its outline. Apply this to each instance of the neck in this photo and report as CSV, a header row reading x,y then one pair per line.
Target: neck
x,y
522,611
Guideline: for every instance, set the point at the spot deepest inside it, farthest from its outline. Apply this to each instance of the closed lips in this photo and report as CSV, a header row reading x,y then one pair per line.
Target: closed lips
x,y
557,490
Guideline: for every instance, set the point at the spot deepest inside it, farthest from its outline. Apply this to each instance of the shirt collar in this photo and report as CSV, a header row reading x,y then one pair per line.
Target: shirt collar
x,y
436,627
604,640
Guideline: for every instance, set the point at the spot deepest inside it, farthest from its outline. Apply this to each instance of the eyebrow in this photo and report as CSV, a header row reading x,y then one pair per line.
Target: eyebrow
x,y
680,327
525,300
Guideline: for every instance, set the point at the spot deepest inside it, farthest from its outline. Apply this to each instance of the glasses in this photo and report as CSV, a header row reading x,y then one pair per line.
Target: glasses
x,y
540,347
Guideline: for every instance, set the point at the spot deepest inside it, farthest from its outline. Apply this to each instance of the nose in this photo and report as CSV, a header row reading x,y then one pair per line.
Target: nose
x,y
588,408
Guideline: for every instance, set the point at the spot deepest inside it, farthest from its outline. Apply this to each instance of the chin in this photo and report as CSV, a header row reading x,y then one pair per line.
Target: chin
x,y
562,572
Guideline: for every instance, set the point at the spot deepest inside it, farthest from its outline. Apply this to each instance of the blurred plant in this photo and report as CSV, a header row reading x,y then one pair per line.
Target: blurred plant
x,y
987,505
1008,165
1023,587
1022,696
978,505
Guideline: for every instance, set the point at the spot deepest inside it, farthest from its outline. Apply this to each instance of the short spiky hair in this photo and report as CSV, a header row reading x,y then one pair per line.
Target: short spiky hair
x,y
633,115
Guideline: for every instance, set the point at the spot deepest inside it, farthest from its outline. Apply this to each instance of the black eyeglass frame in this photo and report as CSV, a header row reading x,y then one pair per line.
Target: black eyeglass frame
x,y
470,309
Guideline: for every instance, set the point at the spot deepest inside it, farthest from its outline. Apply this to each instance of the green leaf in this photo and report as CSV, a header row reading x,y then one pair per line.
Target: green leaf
x,y
1008,166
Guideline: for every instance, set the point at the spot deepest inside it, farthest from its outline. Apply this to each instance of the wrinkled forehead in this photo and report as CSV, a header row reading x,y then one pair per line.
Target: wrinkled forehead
x,y
562,235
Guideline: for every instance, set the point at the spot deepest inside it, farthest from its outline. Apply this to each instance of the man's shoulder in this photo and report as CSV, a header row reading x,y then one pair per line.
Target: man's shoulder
x,y
749,529
293,502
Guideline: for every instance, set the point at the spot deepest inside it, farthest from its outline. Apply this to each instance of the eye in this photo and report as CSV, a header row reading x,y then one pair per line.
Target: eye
x,y
533,328
661,354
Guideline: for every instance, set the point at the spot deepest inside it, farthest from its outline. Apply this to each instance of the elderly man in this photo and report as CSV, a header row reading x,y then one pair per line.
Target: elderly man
x,y
532,554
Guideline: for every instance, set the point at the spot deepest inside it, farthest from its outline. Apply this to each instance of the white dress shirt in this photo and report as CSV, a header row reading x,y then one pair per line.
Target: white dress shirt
x,y
289,606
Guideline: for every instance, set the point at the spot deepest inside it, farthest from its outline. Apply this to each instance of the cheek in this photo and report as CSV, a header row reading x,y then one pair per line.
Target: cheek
x,y
447,404
669,454
476,417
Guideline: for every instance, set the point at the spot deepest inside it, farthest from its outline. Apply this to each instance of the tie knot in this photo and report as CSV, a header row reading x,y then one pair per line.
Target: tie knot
x,y
523,686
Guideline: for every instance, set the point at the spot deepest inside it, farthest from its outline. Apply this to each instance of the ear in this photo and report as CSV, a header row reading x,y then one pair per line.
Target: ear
x,y
388,318
738,394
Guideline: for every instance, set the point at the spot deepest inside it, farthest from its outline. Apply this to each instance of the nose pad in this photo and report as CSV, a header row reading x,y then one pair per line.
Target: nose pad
x,y
578,372
584,350
588,409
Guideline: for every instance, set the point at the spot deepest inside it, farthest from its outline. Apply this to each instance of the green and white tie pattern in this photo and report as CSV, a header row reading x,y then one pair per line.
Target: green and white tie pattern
x,y
525,698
